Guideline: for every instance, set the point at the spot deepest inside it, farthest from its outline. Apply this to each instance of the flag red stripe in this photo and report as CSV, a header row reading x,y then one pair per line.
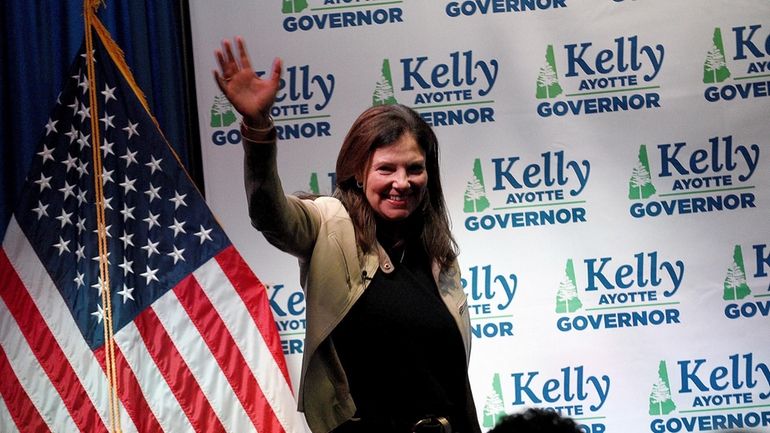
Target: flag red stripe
x,y
24,413
227,354
130,393
47,350
254,296
176,373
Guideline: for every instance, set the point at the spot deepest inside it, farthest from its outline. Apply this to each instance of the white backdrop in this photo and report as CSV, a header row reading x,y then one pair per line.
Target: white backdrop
x,y
606,167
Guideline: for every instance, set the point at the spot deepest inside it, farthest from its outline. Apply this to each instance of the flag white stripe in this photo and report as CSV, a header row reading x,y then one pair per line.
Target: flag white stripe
x,y
48,300
6,422
201,362
251,343
31,375
156,391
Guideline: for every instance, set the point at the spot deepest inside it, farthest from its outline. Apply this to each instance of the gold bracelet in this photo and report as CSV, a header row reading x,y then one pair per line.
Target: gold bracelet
x,y
270,126
258,141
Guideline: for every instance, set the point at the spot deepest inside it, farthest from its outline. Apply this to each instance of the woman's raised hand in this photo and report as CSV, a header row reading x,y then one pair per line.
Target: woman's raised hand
x,y
250,95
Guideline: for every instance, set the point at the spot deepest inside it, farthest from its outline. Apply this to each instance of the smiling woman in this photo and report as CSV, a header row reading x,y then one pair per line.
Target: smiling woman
x,y
388,331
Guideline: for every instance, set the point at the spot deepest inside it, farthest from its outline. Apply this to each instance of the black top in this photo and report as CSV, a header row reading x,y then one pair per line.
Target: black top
x,y
401,350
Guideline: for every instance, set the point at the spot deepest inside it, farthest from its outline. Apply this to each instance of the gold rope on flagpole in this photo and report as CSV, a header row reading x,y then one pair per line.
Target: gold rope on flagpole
x,y
89,13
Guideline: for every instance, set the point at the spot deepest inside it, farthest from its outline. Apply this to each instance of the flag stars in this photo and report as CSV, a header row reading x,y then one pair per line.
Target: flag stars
x,y
128,185
126,238
46,153
50,126
44,182
151,248
152,220
127,212
154,164
100,257
84,112
75,106
73,134
107,120
176,254
82,168
153,192
83,84
82,197
109,93
129,157
81,252
62,246
79,280
178,200
85,56
64,218
68,190
131,129
71,162
99,313
40,210
107,176
204,234
126,293
98,285
105,230
127,266
107,148
84,141
177,227
81,225
149,275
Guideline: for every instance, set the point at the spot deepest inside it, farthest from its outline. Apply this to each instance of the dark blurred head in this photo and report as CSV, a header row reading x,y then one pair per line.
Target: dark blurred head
x,y
536,420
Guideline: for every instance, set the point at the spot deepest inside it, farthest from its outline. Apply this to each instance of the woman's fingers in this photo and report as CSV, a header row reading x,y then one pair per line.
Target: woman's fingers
x,y
275,76
229,52
244,55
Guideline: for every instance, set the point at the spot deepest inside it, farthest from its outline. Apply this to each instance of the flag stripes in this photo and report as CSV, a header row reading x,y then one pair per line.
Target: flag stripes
x,y
244,281
21,410
225,279
177,374
222,346
153,389
46,350
130,395
37,283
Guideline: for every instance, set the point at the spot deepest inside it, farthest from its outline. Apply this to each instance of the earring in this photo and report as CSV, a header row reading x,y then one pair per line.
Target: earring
x,y
359,185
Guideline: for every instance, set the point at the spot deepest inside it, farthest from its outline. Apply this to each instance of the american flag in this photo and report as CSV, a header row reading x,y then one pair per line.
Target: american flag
x,y
196,347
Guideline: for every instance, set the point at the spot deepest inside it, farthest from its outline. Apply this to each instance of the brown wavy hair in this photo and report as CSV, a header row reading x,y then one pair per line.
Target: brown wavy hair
x,y
379,126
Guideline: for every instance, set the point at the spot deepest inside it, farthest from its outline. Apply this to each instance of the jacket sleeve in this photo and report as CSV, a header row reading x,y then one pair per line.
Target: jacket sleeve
x,y
287,222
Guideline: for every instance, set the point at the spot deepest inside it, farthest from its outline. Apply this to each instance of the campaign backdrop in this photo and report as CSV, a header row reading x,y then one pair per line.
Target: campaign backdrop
x,y
606,167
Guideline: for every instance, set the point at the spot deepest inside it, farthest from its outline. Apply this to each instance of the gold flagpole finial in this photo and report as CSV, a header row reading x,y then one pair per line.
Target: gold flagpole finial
x,y
91,6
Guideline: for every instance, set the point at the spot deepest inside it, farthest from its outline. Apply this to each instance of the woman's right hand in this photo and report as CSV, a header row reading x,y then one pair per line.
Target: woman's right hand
x,y
250,95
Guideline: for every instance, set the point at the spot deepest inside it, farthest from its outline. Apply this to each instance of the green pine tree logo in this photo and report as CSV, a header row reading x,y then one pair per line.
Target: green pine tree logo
x,y
640,185
314,188
715,66
222,113
293,6
475,194
494,407
735,281
660,396
548,80
383,90
567,300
